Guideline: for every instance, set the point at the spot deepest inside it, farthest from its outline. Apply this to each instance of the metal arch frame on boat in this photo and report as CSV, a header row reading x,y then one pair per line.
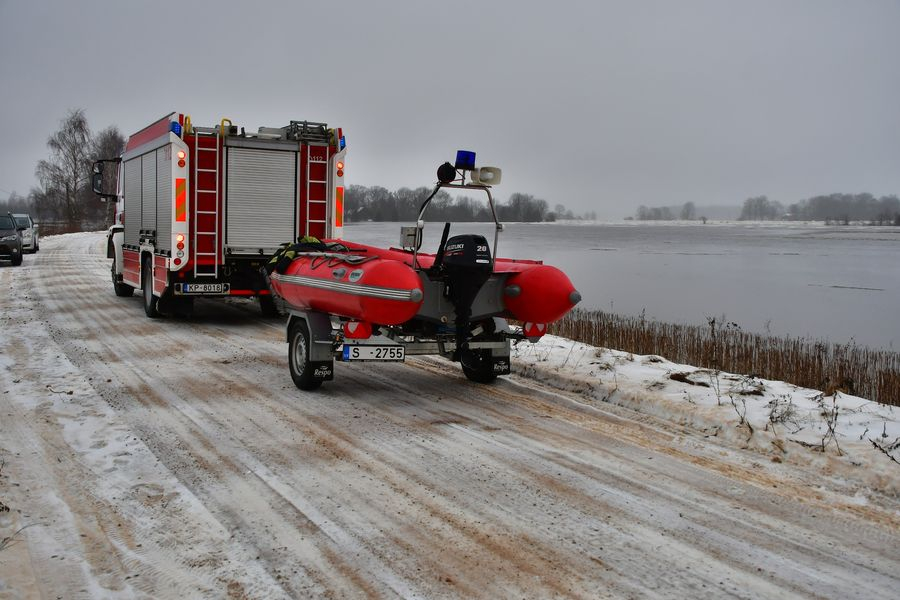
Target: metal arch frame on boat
x,y
420,223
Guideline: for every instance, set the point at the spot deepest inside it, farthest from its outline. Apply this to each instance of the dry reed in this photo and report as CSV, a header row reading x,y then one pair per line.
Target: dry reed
x,y
872,374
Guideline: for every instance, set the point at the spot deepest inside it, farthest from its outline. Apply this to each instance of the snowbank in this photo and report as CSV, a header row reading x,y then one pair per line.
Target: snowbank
x,y
782,420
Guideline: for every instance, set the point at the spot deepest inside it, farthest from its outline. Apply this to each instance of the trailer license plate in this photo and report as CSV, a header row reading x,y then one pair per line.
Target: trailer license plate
x,y
202,288
354,352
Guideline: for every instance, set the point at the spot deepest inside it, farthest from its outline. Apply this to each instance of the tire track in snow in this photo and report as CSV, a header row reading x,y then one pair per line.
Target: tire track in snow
x,y
160,570
152,392
500,490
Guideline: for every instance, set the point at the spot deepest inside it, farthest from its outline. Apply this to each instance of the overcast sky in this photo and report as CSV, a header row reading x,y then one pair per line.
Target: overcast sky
x,y
596,105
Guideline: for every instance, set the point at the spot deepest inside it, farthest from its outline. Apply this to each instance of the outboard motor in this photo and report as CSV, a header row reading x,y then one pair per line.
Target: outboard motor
x,y
466,265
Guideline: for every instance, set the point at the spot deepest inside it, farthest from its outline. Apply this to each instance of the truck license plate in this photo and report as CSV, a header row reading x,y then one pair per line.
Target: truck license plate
x,y
203,288
354,352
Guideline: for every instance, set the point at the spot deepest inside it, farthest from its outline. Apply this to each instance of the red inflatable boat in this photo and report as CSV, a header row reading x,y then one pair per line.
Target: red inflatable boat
x,y
350,301
380,286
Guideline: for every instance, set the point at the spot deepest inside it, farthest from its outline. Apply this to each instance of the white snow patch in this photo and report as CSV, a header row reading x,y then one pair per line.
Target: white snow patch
x,y
775,417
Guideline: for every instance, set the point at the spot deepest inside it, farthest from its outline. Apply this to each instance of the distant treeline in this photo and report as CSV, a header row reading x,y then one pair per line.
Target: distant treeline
x,y
685,212
362,203
831,209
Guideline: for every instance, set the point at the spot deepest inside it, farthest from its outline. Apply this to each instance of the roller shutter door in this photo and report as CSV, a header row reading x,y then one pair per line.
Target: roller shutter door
x,y
148,191
132,190
164,198
262,198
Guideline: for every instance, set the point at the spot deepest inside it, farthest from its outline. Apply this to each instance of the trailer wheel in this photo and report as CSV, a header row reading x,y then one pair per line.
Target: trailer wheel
x,y
477,365
151,302
298,356
122,289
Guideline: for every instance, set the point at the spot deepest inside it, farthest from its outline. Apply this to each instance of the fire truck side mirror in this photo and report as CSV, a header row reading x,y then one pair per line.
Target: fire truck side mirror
x,y
103,179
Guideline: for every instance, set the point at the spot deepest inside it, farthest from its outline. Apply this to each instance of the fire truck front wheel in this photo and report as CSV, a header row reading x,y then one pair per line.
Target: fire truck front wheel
x,y
122,289
150,301
298,356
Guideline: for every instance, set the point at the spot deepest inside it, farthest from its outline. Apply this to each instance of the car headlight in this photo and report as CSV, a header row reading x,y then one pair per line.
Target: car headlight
x,y
8,238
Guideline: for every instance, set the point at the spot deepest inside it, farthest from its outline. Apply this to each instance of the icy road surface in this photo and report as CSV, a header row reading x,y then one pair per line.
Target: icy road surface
x,y
175,459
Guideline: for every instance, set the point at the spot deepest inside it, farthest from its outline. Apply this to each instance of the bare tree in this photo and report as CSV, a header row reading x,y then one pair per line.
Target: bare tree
x,y
67,171
760,208
44,204
107,144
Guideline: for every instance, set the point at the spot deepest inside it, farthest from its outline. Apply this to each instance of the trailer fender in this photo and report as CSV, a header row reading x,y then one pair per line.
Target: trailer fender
x,y
320,332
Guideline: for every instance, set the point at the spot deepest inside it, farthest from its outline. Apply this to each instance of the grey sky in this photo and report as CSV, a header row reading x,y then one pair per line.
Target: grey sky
x,y
596,105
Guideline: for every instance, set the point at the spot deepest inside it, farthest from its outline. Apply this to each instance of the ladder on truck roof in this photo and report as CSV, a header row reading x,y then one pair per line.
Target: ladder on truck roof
x,y
205,236
316,194
313,135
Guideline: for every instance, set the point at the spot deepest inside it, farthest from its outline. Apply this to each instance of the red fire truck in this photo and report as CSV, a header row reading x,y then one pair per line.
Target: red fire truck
x,y
200,209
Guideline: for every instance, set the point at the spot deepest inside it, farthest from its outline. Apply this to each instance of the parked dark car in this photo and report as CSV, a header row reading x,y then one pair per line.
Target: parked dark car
x,y
10,240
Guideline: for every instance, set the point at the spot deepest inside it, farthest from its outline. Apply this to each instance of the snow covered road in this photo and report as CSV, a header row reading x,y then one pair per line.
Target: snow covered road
x,y
175,458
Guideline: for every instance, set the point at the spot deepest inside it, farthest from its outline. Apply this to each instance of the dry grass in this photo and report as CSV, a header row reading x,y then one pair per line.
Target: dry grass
x,y
872,374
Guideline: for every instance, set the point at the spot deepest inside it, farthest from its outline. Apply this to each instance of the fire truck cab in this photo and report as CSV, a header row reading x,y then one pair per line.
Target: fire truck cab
x,y
200,209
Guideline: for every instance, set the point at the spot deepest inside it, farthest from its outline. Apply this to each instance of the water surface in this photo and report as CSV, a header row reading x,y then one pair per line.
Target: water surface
x,y
836,283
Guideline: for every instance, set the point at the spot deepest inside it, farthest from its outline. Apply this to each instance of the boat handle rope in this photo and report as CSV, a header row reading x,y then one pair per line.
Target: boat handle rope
x,y
333,260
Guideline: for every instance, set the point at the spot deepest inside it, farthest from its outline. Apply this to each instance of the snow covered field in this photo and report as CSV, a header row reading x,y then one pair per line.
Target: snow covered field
x,y
175,458
781,420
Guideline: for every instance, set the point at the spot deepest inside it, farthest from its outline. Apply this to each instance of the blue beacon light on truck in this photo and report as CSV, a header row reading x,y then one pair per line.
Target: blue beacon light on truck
x,y
176,128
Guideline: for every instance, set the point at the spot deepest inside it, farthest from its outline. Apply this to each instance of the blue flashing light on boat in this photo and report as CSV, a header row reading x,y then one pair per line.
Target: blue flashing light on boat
x,y
465,160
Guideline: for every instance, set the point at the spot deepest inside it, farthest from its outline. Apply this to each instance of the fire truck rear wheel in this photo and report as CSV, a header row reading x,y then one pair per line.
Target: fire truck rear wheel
x,y
268,307
122,289
150,301
478,366
298,356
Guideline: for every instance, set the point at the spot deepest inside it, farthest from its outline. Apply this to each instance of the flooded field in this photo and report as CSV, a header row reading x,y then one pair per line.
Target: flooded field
x,y
841,284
